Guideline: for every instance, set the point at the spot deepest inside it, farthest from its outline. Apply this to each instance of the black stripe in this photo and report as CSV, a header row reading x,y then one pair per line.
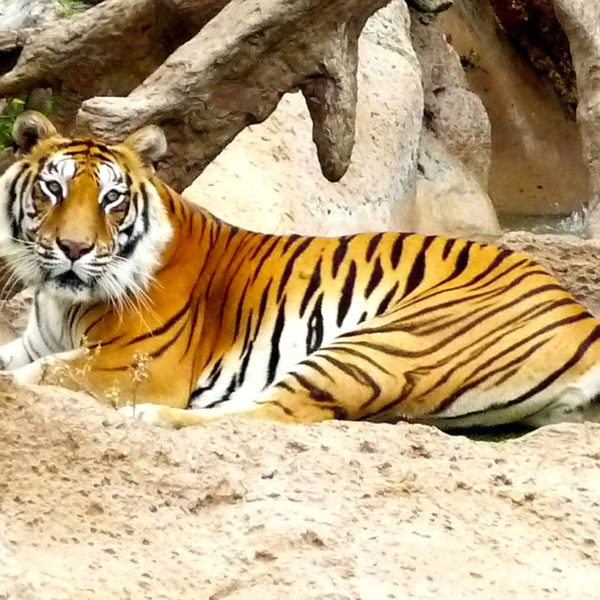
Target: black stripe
x,y
238,313
339,254
262,240
313,286
171,204
359,375
347,292
245,361
232,233
248,330
264,257
375,278
397,250
462,261
314,337
386,301
352,352
162,349
145,207
12,197
142,211
373,246
284,386
291,239
311,364
417,271
447,248
262,307
290,265
275,339
164,327
317,394
213,377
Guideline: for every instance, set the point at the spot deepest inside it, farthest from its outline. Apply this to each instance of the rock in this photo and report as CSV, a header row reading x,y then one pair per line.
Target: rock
x,y
430,6
537,165
19,14
581,21
449,199
532,27
572,260
456,145
268,178
97,507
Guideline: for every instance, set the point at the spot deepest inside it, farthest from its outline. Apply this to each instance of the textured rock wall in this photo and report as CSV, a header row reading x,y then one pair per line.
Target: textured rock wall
x,y
581,21
537,164
268,177
456,145
401,176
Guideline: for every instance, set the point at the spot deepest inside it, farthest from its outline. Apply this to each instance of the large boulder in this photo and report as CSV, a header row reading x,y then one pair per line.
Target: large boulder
x,y
537,165
456,143
400,176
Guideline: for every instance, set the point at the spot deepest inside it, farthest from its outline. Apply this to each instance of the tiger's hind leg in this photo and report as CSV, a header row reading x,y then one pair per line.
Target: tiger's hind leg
x,y
577,403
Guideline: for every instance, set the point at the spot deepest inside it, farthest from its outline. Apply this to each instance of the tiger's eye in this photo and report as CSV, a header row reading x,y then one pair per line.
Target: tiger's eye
x,y
54,187
112,196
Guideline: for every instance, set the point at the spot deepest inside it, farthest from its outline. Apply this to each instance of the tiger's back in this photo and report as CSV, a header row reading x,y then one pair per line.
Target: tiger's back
x,y
409,326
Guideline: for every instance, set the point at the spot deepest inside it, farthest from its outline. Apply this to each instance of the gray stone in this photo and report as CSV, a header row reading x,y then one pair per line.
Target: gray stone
x,y
19,14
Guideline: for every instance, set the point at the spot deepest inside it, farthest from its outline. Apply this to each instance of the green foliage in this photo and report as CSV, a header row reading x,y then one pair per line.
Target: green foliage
x,y
471,61
13,108
71,7
45,103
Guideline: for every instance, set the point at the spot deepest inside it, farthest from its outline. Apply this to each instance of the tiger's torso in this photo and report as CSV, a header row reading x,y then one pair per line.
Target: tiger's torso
x,y
146,298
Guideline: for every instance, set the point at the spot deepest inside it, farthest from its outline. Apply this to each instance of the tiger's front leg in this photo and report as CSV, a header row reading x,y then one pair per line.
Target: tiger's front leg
x,y
322,387
43,336
112,376
14,355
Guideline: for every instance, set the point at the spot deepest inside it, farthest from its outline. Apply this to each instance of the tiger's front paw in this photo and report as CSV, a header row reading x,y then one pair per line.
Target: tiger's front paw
x,y
152,414
7,379
29,374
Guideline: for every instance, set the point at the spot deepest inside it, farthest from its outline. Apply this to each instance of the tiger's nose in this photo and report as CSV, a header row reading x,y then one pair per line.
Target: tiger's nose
x,y
74,250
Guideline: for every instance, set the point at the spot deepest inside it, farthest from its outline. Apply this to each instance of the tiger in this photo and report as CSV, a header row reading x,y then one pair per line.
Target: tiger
x,y
146,300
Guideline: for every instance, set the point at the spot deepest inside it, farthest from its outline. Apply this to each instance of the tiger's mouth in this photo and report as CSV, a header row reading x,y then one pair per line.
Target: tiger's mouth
x,y
70,282
70,279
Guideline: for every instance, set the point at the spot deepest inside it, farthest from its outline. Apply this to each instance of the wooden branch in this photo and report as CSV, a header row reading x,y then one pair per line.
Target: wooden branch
x,y
235,70
203,78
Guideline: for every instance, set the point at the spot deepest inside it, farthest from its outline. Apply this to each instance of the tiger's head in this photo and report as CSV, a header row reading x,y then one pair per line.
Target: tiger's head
x,y
80,218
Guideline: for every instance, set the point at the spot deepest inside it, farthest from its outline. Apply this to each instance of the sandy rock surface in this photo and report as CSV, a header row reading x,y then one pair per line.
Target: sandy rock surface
x,y
581,21
456,142
96,507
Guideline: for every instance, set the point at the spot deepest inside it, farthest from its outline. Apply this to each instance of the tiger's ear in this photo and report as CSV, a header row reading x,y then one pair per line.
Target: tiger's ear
x,y
29,128
149,143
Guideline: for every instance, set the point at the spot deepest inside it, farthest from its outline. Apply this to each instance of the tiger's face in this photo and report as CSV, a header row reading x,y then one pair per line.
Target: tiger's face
x,y
82,218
